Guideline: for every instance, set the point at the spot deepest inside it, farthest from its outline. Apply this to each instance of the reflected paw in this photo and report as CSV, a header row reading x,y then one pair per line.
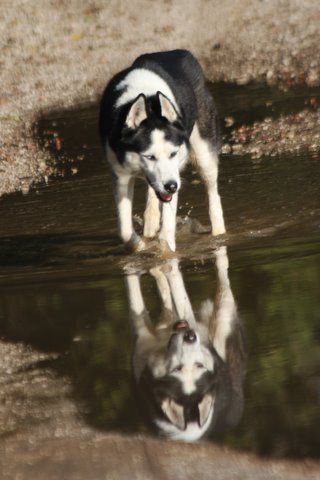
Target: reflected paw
x,y
165,247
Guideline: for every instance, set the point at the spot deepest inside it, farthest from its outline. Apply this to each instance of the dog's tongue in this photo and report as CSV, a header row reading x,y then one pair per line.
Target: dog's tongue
x,y
165,197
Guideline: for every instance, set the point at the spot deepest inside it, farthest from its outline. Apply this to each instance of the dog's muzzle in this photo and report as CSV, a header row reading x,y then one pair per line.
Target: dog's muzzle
x,y
189,335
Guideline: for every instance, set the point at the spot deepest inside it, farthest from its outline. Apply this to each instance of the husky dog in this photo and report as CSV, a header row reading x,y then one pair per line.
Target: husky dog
x,y
151,115
188,373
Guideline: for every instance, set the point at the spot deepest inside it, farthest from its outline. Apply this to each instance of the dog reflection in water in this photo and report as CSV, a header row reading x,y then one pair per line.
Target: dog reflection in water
x,y
189,372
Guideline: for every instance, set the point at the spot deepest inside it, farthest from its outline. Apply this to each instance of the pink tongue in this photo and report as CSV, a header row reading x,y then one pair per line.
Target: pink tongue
x,y
166,197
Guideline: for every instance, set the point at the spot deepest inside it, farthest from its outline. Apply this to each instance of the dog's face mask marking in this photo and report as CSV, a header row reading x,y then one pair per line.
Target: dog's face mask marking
x,y
159,144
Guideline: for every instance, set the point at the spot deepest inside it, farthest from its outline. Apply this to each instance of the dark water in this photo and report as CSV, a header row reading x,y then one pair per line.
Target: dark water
x,y
63,267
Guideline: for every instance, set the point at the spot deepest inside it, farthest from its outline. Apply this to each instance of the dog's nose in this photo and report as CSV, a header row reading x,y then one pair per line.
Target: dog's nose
x,y
171,186
190,336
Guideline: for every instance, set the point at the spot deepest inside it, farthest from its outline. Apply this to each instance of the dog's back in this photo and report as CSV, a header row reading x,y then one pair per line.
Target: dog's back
x,y
183,76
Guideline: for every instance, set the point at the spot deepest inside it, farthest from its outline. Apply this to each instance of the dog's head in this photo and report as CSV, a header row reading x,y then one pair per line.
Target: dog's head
x,y
154,141
178,383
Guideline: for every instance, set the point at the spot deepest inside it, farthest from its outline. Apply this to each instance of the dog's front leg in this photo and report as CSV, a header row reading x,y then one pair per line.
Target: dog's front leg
x,y
151,215
167,235
123,188
138,313
179,294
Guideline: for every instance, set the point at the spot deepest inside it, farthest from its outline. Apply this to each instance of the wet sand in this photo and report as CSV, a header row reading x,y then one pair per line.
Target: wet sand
x,y
57,54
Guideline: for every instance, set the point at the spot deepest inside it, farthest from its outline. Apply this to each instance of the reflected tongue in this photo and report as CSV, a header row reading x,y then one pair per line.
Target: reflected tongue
x,y
165,197
180,325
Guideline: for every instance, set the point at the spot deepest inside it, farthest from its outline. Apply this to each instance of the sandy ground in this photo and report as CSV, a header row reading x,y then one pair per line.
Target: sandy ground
x,y
58,53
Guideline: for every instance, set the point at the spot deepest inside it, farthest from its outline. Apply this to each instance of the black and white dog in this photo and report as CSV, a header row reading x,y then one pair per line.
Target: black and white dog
x,y
188,369
151,115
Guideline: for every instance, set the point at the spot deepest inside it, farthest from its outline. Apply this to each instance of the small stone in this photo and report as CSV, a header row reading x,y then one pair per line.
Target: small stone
x,y
226,148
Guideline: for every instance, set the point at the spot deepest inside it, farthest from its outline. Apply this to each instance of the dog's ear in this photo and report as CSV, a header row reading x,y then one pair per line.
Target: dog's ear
x,y
137,112
205,407
167,109
174,412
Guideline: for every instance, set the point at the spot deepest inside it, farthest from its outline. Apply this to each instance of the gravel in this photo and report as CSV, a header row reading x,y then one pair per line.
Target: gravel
x,y
288,134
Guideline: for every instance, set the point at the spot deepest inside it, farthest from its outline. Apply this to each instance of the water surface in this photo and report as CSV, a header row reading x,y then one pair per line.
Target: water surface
x,y
62,276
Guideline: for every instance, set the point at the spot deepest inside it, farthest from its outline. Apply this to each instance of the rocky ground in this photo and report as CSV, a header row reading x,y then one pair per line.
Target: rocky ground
x,y
291,133
58,53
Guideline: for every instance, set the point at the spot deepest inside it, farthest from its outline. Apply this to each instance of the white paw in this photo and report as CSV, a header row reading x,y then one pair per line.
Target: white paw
x,y
218,230
135,244
150,229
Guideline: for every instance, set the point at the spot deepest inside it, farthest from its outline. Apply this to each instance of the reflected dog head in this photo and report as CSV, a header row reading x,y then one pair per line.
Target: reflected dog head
x,y
178,383
185,389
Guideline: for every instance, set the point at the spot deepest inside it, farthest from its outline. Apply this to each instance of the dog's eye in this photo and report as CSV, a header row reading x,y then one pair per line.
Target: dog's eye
x,y
173,154
149,157
178,368
199,365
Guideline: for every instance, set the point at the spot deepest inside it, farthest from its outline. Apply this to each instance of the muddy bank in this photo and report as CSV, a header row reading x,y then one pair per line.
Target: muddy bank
x,y
56,54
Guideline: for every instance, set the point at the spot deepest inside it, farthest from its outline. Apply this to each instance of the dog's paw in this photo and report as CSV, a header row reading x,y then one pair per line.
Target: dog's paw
x,y
218,230
135,244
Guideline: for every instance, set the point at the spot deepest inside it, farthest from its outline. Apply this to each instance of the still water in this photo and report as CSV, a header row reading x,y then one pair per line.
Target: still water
x,y
67,284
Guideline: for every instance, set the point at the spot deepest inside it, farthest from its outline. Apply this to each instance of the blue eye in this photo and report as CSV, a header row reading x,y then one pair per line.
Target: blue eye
x,y
149,157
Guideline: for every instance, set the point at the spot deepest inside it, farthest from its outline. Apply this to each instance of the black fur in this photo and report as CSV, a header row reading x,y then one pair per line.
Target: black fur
x,y
184,75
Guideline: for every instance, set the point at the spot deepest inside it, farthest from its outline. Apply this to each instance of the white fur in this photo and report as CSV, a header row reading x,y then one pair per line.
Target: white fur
x,y
151,215
124,194
167,235
167,109
226,309
189,355
135,297
137,113
141,80
179,293
163,288
164,168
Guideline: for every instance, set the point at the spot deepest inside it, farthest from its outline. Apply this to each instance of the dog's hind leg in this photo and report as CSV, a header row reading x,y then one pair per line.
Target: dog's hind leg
x,y
123,188
151,215
207,162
